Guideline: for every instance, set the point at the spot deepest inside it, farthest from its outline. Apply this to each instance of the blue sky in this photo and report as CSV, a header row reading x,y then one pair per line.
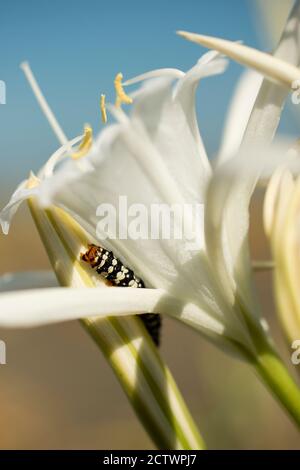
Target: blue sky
x,y
75,49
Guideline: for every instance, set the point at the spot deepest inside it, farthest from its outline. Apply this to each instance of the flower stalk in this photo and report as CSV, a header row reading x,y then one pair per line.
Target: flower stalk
x,y
124,341
275,375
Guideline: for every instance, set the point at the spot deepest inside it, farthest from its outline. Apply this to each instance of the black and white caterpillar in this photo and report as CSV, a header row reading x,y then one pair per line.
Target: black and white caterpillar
x,y
111,268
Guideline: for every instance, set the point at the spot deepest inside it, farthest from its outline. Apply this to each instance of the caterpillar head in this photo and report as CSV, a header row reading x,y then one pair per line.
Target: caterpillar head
x,y
91,256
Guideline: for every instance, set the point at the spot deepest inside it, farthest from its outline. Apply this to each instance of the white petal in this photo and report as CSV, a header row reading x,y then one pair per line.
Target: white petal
x,y
276,203
208,65
238,114
226,226
227,219
167,72
272,67
21,194
274,22
27,280
171,125
31,308
266,113
285,244
260,130
271,200
170,131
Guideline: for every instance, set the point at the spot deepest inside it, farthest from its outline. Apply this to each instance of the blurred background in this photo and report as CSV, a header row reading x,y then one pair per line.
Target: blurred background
x,y
56,390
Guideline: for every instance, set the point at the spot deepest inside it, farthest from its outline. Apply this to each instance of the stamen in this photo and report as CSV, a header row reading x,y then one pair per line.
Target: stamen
x,y
121,95
103,109
86,143
43,104
57,156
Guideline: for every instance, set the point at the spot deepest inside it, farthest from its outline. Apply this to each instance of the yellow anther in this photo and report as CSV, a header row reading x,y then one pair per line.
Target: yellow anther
x,y
86,143
103,109
121,95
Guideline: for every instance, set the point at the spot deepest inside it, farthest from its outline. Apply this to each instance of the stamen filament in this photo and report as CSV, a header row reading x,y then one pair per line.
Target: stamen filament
x,y
43,104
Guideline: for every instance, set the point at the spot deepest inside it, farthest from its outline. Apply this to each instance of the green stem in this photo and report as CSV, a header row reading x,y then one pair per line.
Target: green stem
x,y
273,372
275,375
161,408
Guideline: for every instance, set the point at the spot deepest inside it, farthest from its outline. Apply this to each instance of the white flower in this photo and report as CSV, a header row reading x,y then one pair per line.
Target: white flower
x,y
156,155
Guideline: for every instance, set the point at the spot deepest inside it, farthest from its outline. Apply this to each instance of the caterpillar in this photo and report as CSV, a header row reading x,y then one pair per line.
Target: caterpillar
x,y
114,271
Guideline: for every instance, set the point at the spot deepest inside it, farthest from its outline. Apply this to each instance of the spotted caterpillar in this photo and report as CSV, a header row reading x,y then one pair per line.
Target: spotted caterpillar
x,y
111,268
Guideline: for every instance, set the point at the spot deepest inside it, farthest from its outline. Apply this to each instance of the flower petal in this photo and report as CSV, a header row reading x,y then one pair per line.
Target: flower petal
x,y
265,117
24,191
227,219
226,228
275,203
21,194
27,280
171,125
23,308
238,114
158,73
281,216
286,254
272,67
274,23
